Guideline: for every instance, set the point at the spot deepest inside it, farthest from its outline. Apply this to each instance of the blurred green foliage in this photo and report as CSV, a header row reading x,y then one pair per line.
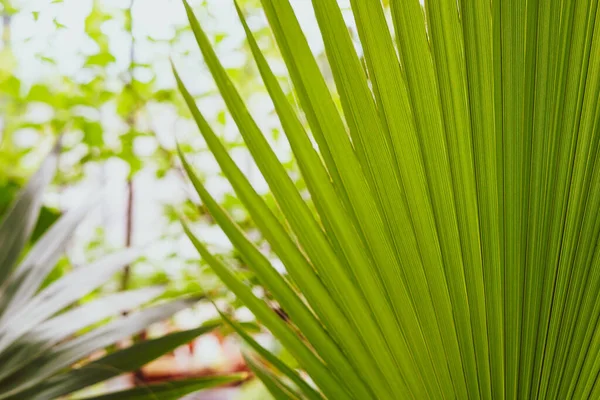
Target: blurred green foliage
x,y
106,107
75,108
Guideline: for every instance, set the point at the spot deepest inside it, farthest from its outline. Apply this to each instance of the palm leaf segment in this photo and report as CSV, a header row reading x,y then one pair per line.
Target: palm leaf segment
x,y
453,251
38,328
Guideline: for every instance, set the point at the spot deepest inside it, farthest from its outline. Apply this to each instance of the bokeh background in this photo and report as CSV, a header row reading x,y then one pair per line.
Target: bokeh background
x,y
97,73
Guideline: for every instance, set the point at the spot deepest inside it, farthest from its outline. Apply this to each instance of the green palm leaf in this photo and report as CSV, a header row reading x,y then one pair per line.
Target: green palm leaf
x,y
39,338
274,385
452,248
169,390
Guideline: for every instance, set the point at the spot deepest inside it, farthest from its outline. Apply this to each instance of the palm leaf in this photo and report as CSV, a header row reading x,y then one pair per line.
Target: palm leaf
x,y
39,338
274,385
170,390
308,391
114,364
452,248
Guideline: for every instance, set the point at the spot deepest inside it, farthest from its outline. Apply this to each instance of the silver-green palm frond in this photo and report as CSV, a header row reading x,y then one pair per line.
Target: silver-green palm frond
x,y
39,340
453,251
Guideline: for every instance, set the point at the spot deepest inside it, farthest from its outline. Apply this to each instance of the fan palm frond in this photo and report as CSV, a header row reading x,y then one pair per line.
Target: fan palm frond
x,y
453,247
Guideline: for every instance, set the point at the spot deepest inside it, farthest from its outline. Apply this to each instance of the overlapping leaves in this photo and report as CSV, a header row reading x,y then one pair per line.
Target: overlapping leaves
x,y
39,328
453,252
